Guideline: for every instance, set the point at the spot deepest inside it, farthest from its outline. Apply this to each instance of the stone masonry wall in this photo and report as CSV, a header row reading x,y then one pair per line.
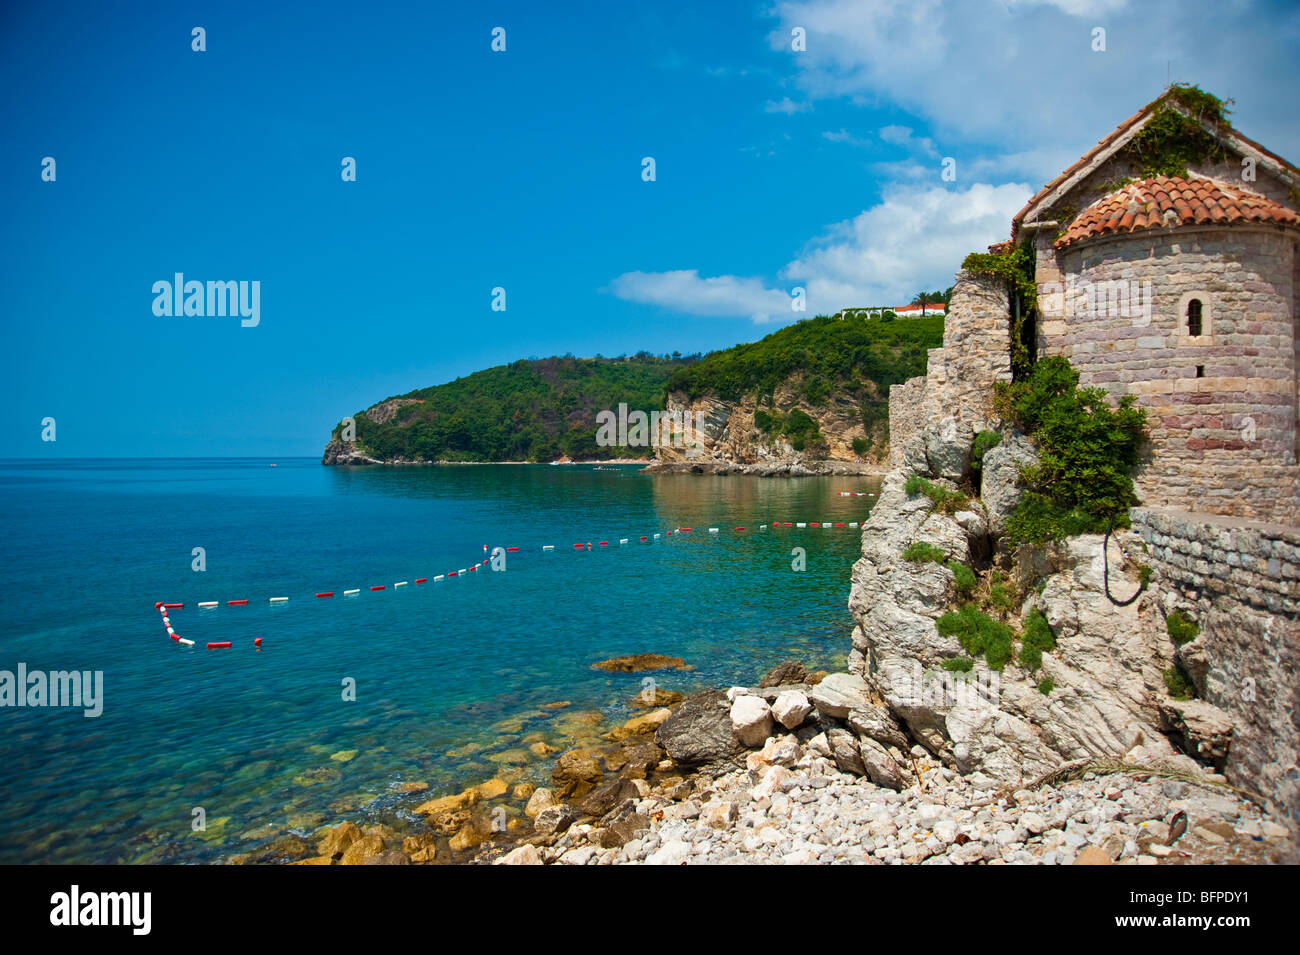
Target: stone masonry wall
x,y
1240,582
1223,442
958,382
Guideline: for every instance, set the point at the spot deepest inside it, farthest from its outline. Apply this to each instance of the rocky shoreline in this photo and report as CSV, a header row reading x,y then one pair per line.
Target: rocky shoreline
x,y
811,768
796,468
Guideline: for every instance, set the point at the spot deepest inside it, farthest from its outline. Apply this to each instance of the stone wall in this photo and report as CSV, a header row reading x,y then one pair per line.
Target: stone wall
x,y
1223,405
1240,581
957,386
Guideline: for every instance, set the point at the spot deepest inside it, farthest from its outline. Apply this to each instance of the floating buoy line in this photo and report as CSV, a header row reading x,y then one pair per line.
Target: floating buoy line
x,y
163,608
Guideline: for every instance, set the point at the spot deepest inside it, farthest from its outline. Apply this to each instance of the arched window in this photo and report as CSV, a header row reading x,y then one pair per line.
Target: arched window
x,y
1194,318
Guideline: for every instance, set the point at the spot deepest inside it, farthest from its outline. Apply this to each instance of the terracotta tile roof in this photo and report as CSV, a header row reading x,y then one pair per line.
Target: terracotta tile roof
x,y
1166,202
1123,132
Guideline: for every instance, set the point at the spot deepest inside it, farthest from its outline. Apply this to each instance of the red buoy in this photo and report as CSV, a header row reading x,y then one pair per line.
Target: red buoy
x,y
326,593
740,528
219,646
257,641
157,604
380,587
511,550
173,606
235,603
452,573
420,580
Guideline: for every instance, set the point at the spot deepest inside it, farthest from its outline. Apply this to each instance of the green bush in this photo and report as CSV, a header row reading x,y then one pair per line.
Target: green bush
x,y
1046,685
1087,452
1179,684
984,442
966,579
945,500
861,446
958,664
920,551
979,634
1182,628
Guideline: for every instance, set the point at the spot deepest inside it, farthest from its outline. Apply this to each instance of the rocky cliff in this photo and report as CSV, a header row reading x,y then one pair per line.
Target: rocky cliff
x,y
730,440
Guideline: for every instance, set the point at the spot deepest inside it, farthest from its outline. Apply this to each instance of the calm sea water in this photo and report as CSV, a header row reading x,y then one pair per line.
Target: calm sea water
x,y
448,674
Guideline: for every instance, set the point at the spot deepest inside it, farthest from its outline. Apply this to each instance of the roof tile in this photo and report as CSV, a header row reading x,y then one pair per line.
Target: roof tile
x,y
1148,204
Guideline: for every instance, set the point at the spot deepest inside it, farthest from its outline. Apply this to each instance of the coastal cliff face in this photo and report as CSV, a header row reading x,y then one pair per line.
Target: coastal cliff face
x,y
729,439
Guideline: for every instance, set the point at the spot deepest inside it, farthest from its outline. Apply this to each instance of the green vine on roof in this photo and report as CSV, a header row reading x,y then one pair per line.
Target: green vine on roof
x,y
1175,135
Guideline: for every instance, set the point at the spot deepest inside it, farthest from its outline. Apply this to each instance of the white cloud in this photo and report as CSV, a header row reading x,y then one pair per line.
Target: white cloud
x,y
684,290
787,106
902,136
914,239
846,137
1022,73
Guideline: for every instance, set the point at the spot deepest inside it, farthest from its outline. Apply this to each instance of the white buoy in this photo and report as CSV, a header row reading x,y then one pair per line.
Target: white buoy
x,y
713,530
279,600
439,577
209,603
548,547
400,583
349,593
801,524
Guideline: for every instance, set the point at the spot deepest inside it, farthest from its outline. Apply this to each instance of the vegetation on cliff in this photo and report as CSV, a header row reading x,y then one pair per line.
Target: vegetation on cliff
x,y
529,410
1087,451
825,358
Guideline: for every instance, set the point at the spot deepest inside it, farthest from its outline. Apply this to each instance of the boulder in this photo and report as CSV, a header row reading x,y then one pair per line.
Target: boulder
x,y
839,693
576,772
1203,730
790,671
751,720
791,708
1000,489
948,448
699,730
640,662
521,855
881,768
540,800
876,722
845,751
338,839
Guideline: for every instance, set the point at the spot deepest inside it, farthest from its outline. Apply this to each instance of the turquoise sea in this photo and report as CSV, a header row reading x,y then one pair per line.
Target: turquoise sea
x,y
450,676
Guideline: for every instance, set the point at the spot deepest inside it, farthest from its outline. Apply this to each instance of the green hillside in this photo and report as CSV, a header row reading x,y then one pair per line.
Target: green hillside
x,y
824,356
541,409
529,410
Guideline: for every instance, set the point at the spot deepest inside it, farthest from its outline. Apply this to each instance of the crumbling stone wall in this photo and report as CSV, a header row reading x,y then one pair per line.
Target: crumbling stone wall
x,y
957,386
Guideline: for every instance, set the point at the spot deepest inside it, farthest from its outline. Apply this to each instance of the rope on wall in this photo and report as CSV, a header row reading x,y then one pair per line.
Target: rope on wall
x,y
1105,569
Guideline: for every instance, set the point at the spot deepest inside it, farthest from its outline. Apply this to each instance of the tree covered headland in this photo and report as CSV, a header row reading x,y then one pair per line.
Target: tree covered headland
x,y
542,409
528,410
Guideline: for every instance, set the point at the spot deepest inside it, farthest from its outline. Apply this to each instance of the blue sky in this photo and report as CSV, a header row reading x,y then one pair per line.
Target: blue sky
x,y
476,169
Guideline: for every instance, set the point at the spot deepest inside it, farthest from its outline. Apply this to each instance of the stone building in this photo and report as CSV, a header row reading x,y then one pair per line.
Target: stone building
x,y
1182,291
1174,278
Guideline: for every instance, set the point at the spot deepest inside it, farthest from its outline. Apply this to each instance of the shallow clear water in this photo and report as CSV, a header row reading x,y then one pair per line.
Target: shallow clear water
x,y
447,673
